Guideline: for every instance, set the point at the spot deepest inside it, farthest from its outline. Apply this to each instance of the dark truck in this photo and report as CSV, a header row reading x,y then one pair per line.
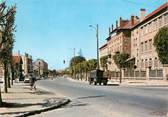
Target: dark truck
x,y
97,76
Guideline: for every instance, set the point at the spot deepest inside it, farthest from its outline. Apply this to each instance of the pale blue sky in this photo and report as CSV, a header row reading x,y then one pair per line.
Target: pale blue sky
x,y
50,29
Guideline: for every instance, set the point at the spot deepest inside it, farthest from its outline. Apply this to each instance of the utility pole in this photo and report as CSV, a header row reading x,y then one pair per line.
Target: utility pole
x,y
74,66
97,42
97,36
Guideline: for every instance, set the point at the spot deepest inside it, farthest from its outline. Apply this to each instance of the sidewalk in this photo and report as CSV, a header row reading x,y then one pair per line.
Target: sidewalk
x,y
22,101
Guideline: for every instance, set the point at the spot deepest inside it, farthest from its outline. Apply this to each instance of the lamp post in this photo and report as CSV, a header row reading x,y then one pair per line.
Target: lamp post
x,y
97,42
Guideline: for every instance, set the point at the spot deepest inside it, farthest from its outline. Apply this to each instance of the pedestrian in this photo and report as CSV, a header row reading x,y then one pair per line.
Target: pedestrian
x,y
32,82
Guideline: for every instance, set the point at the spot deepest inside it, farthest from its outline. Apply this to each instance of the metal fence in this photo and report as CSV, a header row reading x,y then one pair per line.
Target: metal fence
x,y
134,74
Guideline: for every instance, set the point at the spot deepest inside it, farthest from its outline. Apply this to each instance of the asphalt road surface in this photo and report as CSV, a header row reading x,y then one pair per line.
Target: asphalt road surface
x,y
107,101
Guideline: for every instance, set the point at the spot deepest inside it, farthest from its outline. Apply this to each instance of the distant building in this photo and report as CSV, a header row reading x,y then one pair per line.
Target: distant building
x,y
17,67
27,64
40,68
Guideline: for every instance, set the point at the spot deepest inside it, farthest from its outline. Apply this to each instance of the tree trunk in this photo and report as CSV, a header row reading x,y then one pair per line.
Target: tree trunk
x,y
120,75
0,98
8,79
5,78
12,74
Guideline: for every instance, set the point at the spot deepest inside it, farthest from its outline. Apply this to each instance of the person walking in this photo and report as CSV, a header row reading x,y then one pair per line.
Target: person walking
x,y
32,82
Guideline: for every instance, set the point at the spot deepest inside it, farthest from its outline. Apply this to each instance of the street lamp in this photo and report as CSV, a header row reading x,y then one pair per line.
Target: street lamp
x,y
97,37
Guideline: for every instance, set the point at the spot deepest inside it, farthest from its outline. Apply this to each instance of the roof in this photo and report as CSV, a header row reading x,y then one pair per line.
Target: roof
x,y
157,10
162,7
103,46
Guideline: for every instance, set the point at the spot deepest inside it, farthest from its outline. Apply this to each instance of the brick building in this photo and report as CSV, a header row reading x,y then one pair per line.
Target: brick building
x,y
142,38
119,40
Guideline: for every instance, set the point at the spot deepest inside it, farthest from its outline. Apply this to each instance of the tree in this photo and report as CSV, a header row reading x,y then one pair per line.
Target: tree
x,y
103,61
161,44
92,64
74,62
7,29
77,59
120,61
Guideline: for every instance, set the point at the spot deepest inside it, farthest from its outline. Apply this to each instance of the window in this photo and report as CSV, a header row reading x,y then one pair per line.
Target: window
x,y
146,62
159,21
150,44
154,24
156,62
166,18
141,46
149,27
150,62
146,46
142,64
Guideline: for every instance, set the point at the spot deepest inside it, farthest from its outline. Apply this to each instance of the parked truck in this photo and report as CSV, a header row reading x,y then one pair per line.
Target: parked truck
x,y
97,76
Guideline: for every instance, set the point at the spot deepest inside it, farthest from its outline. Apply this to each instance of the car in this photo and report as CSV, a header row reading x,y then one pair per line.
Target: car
x,y
27,80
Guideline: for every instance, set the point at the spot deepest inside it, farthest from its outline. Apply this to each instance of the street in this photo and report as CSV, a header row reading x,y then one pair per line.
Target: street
x,y
107,101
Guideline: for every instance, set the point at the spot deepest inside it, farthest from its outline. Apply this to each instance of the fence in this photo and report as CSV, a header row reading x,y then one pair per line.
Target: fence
x,y
137,75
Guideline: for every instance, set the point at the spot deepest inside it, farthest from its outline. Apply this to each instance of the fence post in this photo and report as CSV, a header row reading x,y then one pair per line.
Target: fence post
x,y
147,74
165,72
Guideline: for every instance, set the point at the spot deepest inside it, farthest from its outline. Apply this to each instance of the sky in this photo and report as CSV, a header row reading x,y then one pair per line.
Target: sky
x,y
51,29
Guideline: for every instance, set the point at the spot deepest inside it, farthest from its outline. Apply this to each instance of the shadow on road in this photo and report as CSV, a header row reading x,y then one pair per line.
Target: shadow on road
x,y
112,84
75,104
19,105
96,96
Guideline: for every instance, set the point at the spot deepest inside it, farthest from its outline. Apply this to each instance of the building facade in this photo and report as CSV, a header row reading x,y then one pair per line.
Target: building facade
x,y
27,65
17,67
103,51
40,68
135,37
142,38
119,40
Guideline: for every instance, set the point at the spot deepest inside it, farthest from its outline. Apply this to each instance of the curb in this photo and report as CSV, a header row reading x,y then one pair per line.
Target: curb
x,y
63,102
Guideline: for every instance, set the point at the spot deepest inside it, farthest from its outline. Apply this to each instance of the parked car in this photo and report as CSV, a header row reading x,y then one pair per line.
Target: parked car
x,y
96,76
27,79
1,80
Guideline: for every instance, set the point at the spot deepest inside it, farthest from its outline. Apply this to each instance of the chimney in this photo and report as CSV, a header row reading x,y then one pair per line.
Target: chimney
x,y
142,14
116,23
109,31
132,20
112,27
121,24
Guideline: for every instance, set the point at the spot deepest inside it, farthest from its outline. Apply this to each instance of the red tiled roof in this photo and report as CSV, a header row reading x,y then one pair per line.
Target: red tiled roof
x,y
153,13
157,10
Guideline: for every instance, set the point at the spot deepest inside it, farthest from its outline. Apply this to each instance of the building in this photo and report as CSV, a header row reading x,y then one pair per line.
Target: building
x,y
142,38
40,68
103,51
27,65
119,40
17,67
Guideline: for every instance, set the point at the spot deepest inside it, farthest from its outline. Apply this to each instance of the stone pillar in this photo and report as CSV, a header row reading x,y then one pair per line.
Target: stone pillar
x,y
147,73
122,74
165,72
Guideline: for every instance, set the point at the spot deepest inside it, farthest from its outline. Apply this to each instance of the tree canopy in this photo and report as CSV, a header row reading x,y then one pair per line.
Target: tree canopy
x,y
103,61
77,59
161,44
120,59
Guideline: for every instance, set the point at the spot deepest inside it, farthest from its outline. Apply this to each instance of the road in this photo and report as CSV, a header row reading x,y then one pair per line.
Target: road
x,y
107,101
